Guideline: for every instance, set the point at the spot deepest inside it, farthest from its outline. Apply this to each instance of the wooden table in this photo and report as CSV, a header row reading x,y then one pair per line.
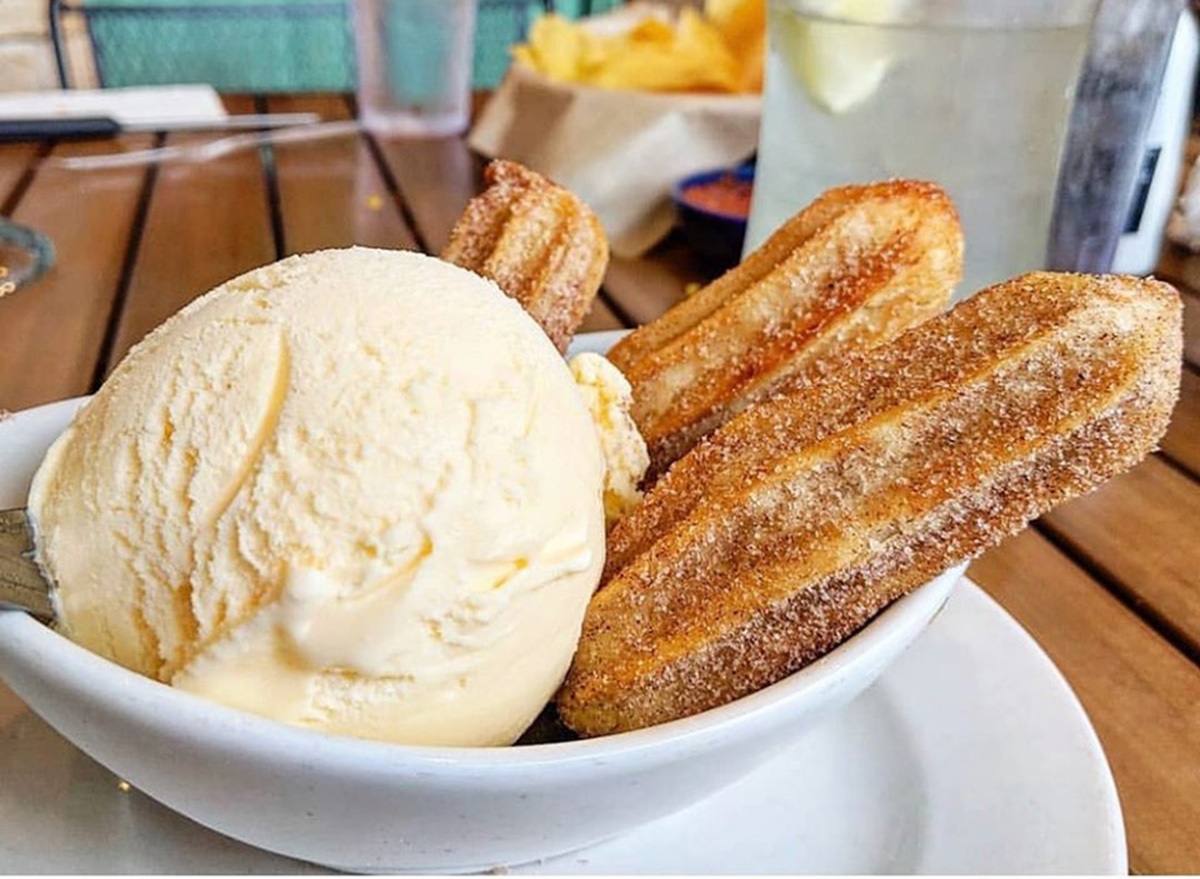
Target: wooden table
x,y
1109,584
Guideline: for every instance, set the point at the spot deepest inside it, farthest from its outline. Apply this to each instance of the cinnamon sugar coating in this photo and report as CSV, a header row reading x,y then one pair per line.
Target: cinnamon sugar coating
x,y
857,267
539,242
794,524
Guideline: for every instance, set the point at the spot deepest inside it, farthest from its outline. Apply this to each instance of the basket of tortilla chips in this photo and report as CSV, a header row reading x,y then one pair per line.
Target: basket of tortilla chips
x,y
620,106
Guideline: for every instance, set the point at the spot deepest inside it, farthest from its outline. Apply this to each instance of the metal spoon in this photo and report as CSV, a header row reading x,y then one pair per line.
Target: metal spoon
x,y
22,585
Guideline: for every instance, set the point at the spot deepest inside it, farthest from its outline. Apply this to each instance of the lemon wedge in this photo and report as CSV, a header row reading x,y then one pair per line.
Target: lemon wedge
x,y
839,57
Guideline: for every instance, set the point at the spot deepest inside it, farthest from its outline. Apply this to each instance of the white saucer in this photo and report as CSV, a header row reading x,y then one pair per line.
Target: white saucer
x,y
971,755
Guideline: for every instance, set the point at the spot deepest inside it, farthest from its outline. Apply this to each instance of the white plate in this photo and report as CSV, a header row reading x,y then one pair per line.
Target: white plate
x,y
970,755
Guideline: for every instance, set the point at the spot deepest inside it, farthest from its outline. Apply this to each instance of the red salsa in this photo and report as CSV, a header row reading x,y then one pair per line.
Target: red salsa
x,y
725,195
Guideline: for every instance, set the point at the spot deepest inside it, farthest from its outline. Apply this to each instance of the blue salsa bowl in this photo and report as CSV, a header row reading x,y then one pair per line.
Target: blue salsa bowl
x,y
715,237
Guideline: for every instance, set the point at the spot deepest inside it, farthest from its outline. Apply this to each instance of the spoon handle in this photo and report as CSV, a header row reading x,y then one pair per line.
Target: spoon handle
x,y
22,585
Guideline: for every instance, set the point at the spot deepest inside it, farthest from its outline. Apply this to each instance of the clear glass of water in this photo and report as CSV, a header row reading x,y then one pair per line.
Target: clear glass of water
x,y
414,65
974,95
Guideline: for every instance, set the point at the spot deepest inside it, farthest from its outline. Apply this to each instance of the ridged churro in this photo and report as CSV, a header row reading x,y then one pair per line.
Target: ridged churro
x,y
539,242
857,267
795,523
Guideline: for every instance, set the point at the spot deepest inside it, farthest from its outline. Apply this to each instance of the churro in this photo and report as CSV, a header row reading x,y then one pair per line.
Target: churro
x,y
794,524
539,242
857,267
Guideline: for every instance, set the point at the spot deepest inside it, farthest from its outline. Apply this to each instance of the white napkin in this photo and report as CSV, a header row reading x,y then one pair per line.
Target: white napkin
x,y
620,151
158,107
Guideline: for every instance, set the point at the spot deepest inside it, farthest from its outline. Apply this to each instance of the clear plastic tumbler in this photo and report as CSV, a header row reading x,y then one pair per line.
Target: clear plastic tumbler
x,y
972,94
414,65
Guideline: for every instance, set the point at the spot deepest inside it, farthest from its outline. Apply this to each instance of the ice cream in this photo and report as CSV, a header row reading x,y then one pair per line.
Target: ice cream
x,y
356,490
609,397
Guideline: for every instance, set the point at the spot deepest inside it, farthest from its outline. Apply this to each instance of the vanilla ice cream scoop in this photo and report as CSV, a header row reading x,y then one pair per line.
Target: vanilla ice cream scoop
x,y
609,398
355,490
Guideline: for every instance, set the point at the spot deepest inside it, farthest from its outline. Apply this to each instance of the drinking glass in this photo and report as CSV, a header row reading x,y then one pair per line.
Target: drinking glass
x,y
1109,165
414,65
974,95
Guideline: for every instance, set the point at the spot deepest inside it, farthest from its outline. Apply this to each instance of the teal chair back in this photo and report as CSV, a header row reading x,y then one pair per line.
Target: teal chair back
x,y
266,45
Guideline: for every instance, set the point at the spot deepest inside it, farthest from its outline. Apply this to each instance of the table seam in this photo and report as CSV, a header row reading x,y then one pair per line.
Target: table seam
x,y
391,182
1158,622
124,279
13,199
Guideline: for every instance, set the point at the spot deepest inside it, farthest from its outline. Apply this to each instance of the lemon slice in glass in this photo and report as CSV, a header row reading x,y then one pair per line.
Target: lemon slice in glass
x,y
841,56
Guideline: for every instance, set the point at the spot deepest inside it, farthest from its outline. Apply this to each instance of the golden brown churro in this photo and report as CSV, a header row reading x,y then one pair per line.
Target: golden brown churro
x,y
796,522
857,267
538,242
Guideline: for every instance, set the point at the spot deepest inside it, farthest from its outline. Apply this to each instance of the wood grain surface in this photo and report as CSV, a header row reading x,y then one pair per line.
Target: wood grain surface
x,y
1182,442
1139,532
1109,585
1191,328
645,288
206,223
52,332
15,160
435,178
331,192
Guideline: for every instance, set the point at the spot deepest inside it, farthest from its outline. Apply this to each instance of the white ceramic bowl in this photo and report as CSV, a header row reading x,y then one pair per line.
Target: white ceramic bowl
x,y
367,806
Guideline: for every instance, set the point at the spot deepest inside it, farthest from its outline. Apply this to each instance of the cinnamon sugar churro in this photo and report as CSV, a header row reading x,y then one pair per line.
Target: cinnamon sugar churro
x,y
539,242
857,267
795,523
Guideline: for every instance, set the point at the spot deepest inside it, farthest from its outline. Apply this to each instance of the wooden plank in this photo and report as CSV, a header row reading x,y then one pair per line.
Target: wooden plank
x,y
436,177
206,223
1191,328
1182,268
1191,150
1141,694
1182,442
14,159
645,288
331,192
1139,531
600,318
52,331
